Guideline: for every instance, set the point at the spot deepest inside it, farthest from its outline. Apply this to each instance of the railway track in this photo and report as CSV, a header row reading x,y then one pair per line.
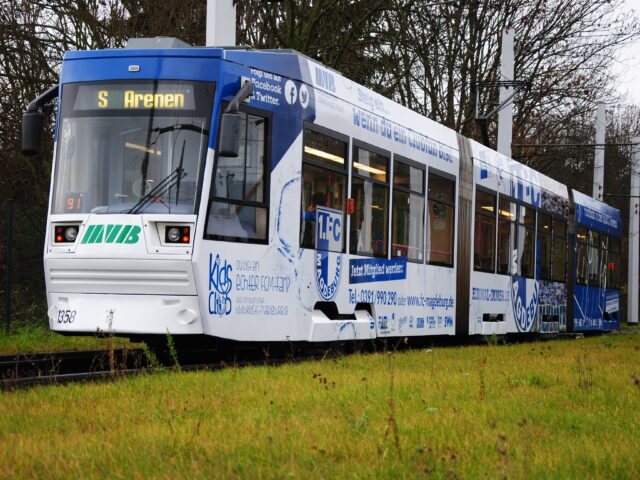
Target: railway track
x,y
29,369
52,368
58,367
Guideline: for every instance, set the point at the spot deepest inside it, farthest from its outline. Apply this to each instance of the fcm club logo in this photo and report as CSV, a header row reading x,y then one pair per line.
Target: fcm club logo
x,y
524,314
328,229
328,237
328,274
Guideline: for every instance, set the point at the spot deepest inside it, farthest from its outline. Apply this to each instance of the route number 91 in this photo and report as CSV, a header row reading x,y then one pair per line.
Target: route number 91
x,y
66,316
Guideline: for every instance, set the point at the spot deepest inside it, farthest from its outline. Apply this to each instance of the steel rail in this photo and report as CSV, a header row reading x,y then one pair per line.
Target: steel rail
x,y
106,365
11,383
41,363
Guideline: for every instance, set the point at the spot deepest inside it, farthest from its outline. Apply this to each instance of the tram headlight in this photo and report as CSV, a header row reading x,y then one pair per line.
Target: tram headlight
x,y
65,233
71,233
177,234
173,234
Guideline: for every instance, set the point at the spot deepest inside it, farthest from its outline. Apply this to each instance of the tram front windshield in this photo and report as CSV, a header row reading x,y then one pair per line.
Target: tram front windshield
x,y
131,147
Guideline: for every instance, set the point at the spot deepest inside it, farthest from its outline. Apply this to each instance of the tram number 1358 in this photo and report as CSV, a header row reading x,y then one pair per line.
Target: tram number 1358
x,y
66,316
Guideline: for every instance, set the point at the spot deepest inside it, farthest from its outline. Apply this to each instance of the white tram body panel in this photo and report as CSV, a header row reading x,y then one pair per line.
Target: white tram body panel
x,y
256,292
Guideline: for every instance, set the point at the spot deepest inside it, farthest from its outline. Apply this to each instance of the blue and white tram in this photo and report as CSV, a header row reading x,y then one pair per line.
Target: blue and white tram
x,y
260,196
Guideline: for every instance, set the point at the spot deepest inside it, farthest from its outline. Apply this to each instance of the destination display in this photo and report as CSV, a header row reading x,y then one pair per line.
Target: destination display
x,y
138,96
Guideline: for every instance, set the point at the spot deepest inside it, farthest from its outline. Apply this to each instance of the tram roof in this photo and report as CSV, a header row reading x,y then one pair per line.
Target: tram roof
x,y
597,214
513,168
286,63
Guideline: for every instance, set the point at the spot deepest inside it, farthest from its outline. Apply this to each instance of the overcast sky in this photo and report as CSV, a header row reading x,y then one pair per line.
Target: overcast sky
x,y
627,64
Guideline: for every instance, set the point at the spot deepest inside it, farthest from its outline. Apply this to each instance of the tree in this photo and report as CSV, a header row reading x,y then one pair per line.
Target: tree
x,y
341,34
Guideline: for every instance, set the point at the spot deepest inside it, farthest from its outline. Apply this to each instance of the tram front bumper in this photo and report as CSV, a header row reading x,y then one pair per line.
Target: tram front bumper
x,y
124,314
130,296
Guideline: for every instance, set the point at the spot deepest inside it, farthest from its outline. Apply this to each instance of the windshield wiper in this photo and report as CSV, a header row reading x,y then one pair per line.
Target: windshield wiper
x,y
179,168
181,126
174,177
160,189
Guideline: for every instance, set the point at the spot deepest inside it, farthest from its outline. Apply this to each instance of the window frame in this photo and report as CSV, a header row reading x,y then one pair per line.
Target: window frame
x,y
594,243
585,244
615,255
326,166
514,225
496,195
427,225
328,133
605,255
549,234
355,143
520,225
554,218
423,168
207,114
268,117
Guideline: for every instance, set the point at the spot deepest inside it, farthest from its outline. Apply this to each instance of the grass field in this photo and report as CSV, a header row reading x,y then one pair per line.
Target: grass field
x,y
555,409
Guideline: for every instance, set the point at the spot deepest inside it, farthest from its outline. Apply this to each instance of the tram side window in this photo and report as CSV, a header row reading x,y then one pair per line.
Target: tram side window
x,y
407,231
604,259
441,196
485,232
370,191
238,208
581,256
526,241
506,236
613,266
545,225
324,180
593,259
559,265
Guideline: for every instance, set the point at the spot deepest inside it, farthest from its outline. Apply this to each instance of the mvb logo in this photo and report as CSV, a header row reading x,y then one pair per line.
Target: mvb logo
x,y
112,234
325,80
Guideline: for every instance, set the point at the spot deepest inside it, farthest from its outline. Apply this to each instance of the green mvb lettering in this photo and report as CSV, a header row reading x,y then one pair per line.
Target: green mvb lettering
x,y
134,234
112,233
